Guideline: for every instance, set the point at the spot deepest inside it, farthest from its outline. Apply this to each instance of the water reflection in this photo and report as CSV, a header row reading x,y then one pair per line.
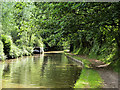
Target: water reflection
x,y
45,61
6,70
47,71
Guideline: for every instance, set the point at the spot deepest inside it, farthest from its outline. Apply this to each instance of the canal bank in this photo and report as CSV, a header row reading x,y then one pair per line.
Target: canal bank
x,y
95,74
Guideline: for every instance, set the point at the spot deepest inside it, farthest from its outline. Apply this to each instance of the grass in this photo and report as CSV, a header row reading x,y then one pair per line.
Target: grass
x,y
89,78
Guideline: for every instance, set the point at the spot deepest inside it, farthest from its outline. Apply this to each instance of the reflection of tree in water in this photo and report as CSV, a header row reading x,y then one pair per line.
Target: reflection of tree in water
x,y
44,64
70,62
61,73
6,70
55,58
75,72
36,58
17,70
54,70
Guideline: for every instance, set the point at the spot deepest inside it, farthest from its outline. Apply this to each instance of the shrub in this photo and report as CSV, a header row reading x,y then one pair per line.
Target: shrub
x,y
15,52
25,51
6,44
30,49
1,51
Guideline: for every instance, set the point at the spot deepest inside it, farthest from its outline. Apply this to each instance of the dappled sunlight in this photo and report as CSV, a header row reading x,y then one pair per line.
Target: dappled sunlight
x,y
35,36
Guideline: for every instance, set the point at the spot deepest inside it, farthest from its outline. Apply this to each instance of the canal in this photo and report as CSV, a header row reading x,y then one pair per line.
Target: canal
x,y
49,70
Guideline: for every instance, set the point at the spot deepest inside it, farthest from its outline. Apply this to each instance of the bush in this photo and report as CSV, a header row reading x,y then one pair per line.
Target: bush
x,y
15,52
1,51
30,49
6,44
27,50
8,48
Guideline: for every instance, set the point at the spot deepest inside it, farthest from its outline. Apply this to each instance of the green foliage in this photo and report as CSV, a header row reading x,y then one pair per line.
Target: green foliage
x,y
15,52
116,65
37,41
30,50
91,28
7,43
1,31
18,21
25,52
1,51
11,50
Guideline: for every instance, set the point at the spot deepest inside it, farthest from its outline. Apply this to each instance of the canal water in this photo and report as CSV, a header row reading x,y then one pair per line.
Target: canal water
x,y
49,70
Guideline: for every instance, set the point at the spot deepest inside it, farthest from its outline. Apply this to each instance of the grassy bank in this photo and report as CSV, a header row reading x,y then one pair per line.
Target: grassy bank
x,y
89,77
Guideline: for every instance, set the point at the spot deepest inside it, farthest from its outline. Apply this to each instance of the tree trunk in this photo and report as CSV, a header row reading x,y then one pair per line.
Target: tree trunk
x,y
71,47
